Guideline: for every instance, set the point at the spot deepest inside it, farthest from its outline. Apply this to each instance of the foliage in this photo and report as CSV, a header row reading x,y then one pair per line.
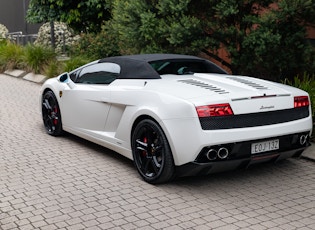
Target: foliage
x,y
262,38
3,63
277,49
53,68
10,55
74,63
64,36
306,83
81,15
96,46
56,67
37,58
3,31
157,26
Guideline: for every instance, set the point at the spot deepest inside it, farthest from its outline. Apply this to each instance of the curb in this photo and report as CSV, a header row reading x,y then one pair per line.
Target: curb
x,y
15,73
28,76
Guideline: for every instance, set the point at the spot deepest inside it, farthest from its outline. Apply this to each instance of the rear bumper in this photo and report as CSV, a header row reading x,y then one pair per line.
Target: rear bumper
x,y
240,157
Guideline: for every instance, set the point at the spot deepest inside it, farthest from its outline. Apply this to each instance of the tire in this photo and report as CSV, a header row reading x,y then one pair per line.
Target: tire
x,y
51,114
151,153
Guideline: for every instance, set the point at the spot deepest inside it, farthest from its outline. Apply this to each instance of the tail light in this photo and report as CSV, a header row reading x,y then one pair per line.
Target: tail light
x,y
214,110
301,101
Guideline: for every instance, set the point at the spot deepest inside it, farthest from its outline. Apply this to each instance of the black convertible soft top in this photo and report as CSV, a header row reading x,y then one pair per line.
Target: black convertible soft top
x,y
141,66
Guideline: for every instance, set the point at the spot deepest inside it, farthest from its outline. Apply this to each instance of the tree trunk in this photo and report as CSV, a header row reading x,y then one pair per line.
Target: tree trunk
x,y
52,34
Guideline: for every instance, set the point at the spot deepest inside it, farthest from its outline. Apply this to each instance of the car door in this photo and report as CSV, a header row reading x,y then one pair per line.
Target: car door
x,y
85,106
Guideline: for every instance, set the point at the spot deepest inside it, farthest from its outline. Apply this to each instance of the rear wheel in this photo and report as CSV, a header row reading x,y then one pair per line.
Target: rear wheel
x,y
151,153
51,114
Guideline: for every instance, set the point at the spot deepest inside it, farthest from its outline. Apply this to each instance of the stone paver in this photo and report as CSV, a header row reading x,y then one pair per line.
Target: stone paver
x,y
69,183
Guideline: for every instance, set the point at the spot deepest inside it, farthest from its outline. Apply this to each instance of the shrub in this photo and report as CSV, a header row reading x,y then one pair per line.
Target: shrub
x,y
37,58
2,62
96,46
306,83
3,31
64,36
74,63
53,69
11,55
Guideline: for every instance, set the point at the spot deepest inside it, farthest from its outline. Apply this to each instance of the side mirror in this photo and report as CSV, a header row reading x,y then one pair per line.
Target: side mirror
x,y
65,78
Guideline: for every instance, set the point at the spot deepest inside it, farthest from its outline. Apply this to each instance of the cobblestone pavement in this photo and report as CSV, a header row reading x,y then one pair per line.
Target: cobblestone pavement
x,y
69,183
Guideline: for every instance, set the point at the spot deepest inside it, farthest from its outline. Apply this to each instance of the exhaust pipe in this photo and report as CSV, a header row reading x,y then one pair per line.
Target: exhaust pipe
x,y
212,154
303,139
223,153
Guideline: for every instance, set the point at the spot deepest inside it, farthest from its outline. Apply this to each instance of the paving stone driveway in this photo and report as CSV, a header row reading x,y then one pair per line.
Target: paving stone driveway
x,y
69,183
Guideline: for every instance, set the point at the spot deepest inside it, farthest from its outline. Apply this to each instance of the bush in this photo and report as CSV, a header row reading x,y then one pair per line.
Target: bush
x,y
74,63
64,36
11,55
96,46
2,62
38,58
306,83
3,31
53,69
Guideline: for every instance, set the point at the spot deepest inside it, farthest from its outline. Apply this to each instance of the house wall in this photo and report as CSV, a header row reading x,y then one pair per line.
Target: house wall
x,y
12,15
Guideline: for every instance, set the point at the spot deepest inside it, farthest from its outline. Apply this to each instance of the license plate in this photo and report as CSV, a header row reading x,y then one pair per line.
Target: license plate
x,y
265,146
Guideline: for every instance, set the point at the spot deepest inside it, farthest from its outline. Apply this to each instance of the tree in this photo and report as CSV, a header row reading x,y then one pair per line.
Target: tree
x,y
277,48
263,38
156,26
81,15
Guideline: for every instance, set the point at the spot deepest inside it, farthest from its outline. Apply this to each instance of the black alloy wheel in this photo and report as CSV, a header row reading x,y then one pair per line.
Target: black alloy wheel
x,y
51,114
151,153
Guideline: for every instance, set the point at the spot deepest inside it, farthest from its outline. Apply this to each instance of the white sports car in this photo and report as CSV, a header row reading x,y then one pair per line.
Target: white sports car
x,y
177,115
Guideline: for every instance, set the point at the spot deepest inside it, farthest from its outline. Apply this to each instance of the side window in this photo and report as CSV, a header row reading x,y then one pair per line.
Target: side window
x,y
74,75
99,73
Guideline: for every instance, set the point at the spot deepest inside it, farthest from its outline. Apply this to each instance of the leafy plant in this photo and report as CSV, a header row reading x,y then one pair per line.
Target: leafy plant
x,y
263,38
37,58
64,37
10,55
74,63
81,15
53,69
3,31
306,83
96,46
2,62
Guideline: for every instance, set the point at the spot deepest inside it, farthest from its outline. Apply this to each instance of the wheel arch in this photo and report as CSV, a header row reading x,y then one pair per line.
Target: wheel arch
x,y
138,120
45,90
58,127
143,117
168,171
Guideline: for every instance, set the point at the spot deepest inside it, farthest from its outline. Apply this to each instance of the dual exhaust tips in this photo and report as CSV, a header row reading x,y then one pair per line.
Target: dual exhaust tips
x,y
213,154
304,139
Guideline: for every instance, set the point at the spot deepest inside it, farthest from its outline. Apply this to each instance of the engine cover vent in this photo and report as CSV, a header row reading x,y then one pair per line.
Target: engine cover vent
x,y
204,85
249,83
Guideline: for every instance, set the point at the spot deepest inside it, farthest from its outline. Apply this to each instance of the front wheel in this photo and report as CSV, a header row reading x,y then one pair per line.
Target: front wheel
x,y
51,114
151,153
